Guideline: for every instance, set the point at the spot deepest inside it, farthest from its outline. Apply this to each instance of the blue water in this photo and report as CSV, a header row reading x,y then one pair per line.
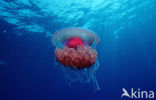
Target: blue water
x,y
126,52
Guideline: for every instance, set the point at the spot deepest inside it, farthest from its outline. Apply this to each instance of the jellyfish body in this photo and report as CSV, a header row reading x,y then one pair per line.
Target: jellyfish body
x,y
75,47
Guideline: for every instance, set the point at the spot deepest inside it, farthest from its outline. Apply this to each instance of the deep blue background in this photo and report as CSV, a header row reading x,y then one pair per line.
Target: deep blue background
x,y
127,62
30,75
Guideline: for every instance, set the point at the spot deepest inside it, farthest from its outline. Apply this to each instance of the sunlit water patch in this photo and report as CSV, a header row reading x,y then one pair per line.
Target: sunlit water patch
x,y
47,16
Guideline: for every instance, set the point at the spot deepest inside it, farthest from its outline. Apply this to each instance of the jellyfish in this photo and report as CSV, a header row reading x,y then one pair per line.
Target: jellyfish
x,y
76,54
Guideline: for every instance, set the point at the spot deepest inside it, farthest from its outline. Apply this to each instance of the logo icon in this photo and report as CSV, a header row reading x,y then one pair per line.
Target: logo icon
x,y
125,93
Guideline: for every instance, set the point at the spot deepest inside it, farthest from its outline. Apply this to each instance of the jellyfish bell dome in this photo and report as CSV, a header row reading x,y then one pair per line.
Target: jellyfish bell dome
x,y
75,35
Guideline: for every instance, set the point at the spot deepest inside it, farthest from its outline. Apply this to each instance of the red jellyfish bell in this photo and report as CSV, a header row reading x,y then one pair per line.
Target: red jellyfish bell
x,y
75,47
